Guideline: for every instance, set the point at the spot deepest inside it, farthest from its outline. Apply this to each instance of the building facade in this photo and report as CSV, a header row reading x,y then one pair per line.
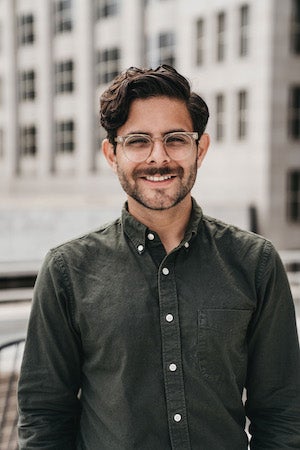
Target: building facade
x,y
242,56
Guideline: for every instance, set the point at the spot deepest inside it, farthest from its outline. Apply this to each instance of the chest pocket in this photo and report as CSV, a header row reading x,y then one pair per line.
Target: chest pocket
x,y
222,344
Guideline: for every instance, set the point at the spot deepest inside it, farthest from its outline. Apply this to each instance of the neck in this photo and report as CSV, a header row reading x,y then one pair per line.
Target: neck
x,y
169,224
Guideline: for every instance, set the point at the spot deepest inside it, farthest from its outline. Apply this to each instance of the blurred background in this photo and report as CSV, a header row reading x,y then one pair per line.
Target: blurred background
x,y
57,56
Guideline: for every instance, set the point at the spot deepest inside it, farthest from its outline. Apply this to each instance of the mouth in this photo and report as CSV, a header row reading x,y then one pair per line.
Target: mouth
x,y
158,178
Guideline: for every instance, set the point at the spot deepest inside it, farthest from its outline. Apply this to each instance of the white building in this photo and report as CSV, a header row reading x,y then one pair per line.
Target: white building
x,y
242,56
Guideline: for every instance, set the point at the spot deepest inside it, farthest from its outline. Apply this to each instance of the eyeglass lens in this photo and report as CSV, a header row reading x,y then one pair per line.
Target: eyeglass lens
x,y
139,147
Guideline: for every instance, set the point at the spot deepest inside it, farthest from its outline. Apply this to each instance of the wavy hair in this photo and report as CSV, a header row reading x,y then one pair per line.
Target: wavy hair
x,y
136,83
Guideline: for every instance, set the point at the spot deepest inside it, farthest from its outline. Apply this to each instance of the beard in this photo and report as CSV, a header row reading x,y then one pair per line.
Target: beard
x,y
158,199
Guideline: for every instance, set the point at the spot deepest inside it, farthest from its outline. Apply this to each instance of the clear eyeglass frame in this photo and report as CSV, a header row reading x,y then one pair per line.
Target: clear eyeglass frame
x,y
138,147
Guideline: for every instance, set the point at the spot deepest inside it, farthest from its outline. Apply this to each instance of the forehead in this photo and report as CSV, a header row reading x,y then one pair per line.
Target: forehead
x,y
157,114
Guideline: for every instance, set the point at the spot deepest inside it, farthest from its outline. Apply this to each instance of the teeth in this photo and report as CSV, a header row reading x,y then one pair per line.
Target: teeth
x,y
162,178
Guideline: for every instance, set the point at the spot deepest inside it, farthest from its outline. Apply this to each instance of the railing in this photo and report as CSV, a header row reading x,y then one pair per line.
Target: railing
x,y
17,281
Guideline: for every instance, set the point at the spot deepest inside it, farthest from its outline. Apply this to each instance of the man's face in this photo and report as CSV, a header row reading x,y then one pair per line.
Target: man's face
x,y
158,183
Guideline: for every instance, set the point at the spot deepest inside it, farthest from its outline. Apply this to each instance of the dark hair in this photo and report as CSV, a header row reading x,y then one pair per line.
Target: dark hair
x,y
137,83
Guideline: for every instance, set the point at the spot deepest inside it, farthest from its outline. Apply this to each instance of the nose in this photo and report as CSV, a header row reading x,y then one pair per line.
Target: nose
x,y
158,154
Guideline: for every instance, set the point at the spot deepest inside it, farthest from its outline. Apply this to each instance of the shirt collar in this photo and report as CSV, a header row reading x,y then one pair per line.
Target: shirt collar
x,y
137,232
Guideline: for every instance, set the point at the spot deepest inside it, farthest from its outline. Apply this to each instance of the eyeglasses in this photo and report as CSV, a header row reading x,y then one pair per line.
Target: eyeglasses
x,y
138,147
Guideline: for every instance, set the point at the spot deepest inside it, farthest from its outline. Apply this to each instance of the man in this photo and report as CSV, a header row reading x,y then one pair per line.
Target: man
x,y
145,333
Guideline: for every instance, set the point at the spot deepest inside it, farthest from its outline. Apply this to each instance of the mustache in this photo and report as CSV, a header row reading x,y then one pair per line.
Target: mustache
x,y
157,171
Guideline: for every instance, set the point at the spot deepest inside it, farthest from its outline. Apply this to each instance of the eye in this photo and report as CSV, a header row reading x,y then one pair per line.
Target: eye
x,y
177,139
137,140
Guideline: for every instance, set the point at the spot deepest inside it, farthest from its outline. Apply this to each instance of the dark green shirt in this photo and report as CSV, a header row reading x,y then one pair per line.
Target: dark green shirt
x,y
130,348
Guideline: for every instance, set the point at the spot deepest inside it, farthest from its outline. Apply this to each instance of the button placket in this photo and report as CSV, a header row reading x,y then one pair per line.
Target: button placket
x,y
171,347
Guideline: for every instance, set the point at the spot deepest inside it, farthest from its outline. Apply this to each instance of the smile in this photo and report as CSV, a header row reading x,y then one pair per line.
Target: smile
x,y
161,178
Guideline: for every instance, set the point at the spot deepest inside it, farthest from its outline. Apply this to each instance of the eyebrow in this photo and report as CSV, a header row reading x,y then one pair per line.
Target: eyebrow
x,y
163,134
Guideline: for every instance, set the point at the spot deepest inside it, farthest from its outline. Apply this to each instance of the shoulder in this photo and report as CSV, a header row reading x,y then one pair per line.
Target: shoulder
x,y
88,245
243,247
222,231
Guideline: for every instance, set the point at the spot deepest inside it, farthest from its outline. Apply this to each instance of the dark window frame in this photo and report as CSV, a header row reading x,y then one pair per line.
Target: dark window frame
x,y
166,47
64,136
220,113
200,34
221,32
28,140
294,113
62,16
106,8
27,85
295,28
107,65
244,13
242,110
64,76
293,196
26,29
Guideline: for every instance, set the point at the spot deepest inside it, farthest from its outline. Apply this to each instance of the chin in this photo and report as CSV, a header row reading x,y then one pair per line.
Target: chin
x,y
159,204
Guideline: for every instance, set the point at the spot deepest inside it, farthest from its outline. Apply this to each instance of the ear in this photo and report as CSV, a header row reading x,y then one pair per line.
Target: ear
x,y
108,152
203,145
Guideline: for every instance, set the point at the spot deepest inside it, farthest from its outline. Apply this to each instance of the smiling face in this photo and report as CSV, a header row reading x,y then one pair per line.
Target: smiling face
x,y
159,183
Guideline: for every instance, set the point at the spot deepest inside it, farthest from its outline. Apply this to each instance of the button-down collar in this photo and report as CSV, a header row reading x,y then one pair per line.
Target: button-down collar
x,y
138,233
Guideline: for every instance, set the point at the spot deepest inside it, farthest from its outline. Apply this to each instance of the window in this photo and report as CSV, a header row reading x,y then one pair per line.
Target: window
x,y
106,8
27,85
242,115
62,16
295,27
28,141
244,31
64,137
25,29
293,196
108,65
221,23
294,113
220,110
63,76
199,42
166,45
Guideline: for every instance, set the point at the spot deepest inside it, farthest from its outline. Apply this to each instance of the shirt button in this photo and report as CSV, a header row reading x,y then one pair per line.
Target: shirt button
x,y
140,248
177,417
172,367
186,245
169,317
150,236
165,271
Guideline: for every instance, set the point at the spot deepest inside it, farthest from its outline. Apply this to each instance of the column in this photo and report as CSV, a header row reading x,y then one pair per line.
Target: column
x,y
84,86
132,39
44,27
10,94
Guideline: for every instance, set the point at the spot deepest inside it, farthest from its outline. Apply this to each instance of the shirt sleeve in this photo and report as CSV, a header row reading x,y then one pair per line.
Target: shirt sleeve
x,y
273,384
49,408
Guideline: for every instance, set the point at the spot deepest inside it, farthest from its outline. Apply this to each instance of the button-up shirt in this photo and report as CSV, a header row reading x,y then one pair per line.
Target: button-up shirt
x,y
132,348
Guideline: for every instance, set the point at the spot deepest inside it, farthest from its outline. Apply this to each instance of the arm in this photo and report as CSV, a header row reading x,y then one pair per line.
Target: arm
x,y
50,375
273,386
